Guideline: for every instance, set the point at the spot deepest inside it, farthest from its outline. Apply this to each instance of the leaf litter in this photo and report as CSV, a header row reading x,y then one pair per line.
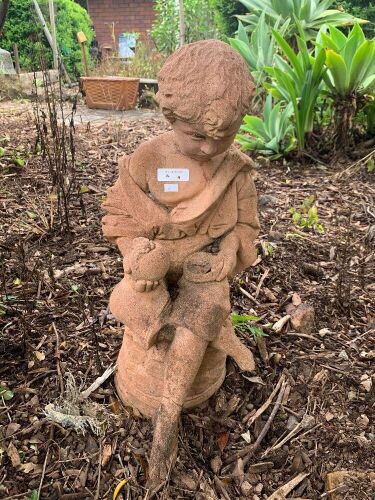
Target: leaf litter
x,y
53,278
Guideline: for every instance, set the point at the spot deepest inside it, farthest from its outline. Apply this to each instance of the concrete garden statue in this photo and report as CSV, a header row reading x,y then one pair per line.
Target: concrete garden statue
x,y
183,215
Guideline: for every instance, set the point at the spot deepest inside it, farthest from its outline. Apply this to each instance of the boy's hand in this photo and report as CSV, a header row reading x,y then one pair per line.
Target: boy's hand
x,y
147,264
229,260
228,255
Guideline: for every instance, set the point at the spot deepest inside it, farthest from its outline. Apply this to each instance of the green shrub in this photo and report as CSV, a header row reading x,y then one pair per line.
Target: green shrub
x,y
201,22
351,72
273,136
259,48
298,78
310,14
227,12
365,9
24,28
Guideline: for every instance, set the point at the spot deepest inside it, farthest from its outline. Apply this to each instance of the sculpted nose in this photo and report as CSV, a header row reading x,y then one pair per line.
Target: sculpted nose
x,y
208,148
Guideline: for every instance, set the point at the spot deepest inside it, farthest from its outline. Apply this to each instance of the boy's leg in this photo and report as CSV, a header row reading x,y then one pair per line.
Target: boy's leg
x,y
182,364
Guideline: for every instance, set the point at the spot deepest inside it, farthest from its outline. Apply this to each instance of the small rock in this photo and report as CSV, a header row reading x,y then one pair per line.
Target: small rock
x,y
246,488
329,416
324,331
187,482
267,200
362,421
366,382
302,318
216,464
343,355
258,488
312,270
275,235
352,395
291,423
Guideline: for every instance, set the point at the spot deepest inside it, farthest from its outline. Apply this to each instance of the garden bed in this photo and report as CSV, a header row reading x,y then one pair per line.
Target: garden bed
x,y
55,320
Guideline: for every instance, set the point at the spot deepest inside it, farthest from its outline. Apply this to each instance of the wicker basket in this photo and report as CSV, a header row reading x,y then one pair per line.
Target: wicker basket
x,y
110,92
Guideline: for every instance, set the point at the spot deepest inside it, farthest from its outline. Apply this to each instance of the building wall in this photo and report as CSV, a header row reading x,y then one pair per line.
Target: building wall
x,y
128,15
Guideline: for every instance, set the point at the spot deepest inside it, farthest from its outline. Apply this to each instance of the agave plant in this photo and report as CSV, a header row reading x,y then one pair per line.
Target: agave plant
x,y
298,79
259,48
312,14
351,72
273,136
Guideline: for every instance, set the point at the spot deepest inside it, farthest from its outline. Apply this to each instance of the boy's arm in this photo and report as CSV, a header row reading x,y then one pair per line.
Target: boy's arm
x,y
237,247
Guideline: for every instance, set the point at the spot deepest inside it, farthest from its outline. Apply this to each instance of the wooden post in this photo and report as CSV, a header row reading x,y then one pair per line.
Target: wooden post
x,y
81,37
181,22
49,38
53,33
16,58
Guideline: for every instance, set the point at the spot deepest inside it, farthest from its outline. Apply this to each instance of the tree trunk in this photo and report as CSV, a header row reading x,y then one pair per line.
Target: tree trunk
x,y
4,5
181,22
344,112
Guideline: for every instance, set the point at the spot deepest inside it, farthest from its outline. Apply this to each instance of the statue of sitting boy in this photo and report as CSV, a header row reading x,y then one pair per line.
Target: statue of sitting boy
x,y
183,214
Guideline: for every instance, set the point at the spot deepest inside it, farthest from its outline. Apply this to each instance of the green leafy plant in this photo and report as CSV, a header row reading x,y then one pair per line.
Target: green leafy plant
x,y
311,14
369,111
307,218
5,393
273,136
350,60
298,78
23,27
244,324
201,22
227,10
259,48
363,9
370,165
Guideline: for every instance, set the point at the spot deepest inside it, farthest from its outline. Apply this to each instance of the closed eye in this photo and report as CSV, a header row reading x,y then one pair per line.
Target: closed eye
x,y
199,136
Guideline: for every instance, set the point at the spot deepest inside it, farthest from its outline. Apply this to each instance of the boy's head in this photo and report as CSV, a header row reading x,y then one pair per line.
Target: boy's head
x,y
205,89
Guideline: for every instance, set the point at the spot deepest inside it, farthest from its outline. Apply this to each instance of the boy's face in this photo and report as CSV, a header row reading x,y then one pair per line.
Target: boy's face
x,y
193,141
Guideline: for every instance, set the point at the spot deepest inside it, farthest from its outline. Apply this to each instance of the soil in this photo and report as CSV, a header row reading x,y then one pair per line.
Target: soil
x,y
55,320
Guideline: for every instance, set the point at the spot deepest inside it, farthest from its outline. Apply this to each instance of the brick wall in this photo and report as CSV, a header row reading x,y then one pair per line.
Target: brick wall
x,y
128,15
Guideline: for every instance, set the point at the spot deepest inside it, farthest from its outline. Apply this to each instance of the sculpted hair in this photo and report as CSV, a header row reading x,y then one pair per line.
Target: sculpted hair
x,y
205,82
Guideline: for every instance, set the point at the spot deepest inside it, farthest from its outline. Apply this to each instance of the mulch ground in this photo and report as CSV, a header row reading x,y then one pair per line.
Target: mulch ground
x,y
55,321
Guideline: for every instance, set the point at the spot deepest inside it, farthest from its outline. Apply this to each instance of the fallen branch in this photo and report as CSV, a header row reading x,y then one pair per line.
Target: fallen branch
x,y
281,492
249,296
268,423
98,382
248,451
250,419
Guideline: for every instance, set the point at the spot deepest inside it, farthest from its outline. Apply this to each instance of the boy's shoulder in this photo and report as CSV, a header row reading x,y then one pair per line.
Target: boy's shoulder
x,y
156,147
146,156
239,158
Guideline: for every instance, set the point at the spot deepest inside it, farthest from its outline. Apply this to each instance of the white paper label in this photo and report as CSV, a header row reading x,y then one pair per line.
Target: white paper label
x,y
171,188
173,174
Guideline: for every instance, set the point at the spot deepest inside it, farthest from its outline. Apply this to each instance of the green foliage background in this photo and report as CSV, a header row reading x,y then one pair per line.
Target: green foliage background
x,y
202,21
227,10
23,27
364,9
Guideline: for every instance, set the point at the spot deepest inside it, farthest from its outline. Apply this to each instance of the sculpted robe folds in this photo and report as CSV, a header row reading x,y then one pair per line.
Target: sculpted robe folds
x,y
226,205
